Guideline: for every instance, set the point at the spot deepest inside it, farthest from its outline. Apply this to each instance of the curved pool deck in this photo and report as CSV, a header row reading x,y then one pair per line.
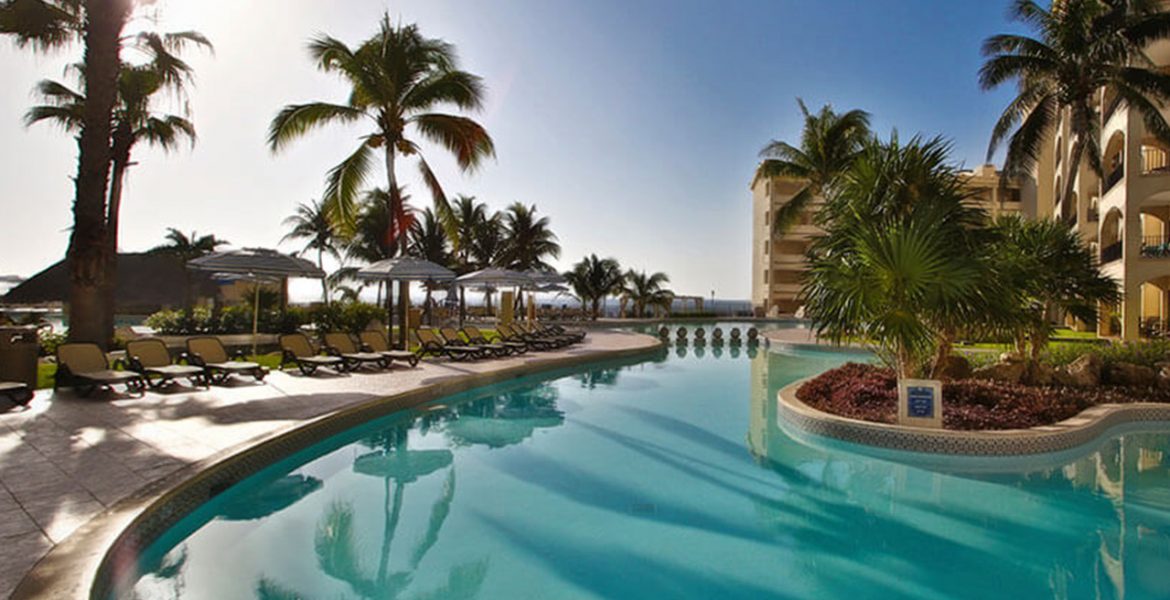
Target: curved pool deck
x,y
74,473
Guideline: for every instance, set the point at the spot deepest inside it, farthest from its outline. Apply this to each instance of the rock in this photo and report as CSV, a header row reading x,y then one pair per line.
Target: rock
x,y
1010,357
1007,372
1042,374
955,366
1082,372
1129,374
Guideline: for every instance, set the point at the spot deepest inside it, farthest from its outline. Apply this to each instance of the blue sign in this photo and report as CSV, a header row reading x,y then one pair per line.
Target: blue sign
x,y
920,402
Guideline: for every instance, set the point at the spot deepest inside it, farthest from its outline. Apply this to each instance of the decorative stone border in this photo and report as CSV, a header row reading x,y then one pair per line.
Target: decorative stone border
x,y
1082,429
103,553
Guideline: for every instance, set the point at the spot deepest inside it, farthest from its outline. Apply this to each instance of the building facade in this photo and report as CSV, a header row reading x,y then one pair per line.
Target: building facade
x,y
1125,214
779,263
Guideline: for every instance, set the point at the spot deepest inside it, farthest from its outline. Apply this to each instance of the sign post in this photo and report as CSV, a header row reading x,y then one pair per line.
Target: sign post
x,y
920,403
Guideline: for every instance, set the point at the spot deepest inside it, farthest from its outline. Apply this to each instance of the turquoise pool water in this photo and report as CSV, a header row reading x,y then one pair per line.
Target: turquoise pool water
x,y
668,478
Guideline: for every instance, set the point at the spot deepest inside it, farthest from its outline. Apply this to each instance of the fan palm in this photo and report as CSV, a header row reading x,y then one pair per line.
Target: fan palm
x,y
645,290
828,145
398,79
898,267
594,279
1082,46
528,239
47,24
309,222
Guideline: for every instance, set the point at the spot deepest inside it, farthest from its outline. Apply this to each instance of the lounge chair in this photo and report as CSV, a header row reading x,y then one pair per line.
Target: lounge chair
x,y
84,367
452,338
18,393
208,352
297,349
341,345
430,343
375,341
150,358
537,332
507,333
576,334
475,336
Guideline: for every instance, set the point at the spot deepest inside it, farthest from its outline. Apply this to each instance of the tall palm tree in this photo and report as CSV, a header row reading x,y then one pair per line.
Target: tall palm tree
x,y
398,79
374,236
488,242
309,222
528,239
134,121
595,279
829,144
1081,46
469,215
645,290
46,24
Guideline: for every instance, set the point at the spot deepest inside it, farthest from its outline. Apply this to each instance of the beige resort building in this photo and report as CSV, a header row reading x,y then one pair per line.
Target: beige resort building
x,y
1125,215
778,261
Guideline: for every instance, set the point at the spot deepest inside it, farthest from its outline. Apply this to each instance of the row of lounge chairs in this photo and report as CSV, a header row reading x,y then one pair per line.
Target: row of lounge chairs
x,y
86,368
470,344
341,352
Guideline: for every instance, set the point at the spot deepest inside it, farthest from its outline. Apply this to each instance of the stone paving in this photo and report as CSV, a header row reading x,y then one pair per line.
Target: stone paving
x,y
66,459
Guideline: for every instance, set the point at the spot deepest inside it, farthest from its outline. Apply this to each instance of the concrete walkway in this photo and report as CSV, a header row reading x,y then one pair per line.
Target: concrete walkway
x,y
65,460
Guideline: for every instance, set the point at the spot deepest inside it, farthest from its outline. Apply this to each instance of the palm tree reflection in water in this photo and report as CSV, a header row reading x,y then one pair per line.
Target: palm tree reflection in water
x,y
335,540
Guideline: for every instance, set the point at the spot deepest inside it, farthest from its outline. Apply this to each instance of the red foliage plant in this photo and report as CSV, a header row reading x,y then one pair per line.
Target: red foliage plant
x,y
868,392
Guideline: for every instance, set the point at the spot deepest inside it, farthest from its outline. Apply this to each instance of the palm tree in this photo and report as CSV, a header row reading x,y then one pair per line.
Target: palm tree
x,y
375,232
898,267
645,290
398,79
309,222
47,24
488,242
1045,265
469,216
594,279
528,239
829,144
133,119
428,240
1082,46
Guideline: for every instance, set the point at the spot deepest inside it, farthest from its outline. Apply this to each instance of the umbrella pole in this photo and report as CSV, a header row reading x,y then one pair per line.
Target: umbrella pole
x,y
255,316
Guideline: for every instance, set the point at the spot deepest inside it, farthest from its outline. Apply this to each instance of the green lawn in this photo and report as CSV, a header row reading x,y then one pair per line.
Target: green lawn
x,y
1061,338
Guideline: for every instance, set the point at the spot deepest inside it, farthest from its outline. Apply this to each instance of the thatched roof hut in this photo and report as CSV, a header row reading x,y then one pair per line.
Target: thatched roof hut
x,y
146,283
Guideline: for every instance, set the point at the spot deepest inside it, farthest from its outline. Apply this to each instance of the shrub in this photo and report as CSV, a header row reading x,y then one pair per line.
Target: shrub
x,y
49,340
1145,352
344,316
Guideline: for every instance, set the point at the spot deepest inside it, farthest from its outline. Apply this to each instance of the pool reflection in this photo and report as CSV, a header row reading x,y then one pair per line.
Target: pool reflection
x,y
1114,545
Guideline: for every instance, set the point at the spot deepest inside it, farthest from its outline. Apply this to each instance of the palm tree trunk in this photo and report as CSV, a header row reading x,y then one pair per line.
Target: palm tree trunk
x,y
324,280
88,254
121,161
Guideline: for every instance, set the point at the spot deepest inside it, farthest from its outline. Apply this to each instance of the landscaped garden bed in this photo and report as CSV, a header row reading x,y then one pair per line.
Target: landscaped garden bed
x,y
869,393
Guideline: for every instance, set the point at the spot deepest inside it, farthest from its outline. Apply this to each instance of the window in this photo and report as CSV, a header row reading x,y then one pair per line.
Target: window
x,y
767,215
767,243
765,276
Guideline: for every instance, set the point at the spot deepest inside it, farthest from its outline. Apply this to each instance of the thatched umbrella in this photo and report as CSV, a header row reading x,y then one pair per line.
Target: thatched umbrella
x,y
407,269
256,264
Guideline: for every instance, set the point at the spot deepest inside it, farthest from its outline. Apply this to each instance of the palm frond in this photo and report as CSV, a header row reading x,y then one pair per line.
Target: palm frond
x,y
466,139
295,120
342,185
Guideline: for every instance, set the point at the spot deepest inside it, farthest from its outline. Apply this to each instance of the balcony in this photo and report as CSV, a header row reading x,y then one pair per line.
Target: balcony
x,y
1111,253
1156,246
1114,176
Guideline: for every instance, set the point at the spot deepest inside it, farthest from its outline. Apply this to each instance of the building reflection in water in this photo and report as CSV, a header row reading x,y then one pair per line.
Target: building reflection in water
x,y
1107,507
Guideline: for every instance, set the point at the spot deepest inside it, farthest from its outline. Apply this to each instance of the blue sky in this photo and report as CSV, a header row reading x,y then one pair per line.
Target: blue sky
x,y
634,126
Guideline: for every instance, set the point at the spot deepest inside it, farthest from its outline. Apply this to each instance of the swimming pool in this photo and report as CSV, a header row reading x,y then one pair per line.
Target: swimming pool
x,y
667,478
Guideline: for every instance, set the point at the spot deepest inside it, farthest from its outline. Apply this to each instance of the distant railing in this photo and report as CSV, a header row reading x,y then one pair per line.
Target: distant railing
x,y
1111,253
1156,246
1114,176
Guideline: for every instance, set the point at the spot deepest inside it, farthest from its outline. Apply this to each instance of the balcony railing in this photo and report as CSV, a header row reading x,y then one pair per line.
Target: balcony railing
x,y
1111,253
1156,246
1114,176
